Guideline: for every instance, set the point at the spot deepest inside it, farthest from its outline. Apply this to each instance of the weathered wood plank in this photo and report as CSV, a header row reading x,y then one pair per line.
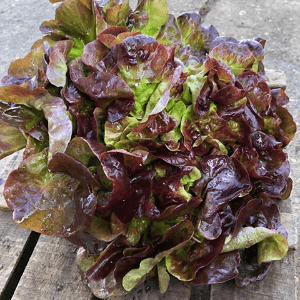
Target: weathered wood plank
x,y
12,241
149,291
291,224
52,273
8,164
200,292
297,276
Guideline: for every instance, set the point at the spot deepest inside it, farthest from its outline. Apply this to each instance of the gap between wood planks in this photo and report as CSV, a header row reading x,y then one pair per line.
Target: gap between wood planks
x,y
20,266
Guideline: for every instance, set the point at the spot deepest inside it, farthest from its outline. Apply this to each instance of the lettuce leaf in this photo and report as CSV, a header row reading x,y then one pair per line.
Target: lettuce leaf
x,y
44,205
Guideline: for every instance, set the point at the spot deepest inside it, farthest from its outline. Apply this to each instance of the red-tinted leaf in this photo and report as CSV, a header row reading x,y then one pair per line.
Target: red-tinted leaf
x,y
177,235
106,261
114,30
204,99
168,191
211,227
102,87
249,270
206,128
279,97
63,163
259,93
41,201
222,71
237,56
57,65
223,268
114,12
259,213
119,109
187,261
223,179
287,125
82,109
228,95
142,57
131,183
184,209
108,40
93,53
158,124
176,158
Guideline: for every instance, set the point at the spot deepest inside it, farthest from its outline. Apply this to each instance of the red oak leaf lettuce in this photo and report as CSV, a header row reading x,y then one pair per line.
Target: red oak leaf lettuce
x,y
150,142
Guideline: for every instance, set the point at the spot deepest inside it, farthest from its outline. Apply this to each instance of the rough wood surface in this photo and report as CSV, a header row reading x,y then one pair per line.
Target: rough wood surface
x,y
297,262
12,241
52,273
149,291
291,222
8,164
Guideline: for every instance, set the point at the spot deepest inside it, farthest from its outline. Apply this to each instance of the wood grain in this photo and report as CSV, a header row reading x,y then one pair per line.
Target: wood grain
x,y
297,263
52,273
8,164
149,291
12,242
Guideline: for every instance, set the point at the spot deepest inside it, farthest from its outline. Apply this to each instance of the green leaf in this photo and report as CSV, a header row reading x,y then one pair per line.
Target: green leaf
x,y
84,260
11,139
163,276
159,228
173,137
115,12
79,149
189,179
154,14
34,145
175,237
101,229
191,34
161,96
135,276
135,229
115,132
76,19
271,244
57,67
169,34
77,49
192,87
54,109
142,92
238,57
272,248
